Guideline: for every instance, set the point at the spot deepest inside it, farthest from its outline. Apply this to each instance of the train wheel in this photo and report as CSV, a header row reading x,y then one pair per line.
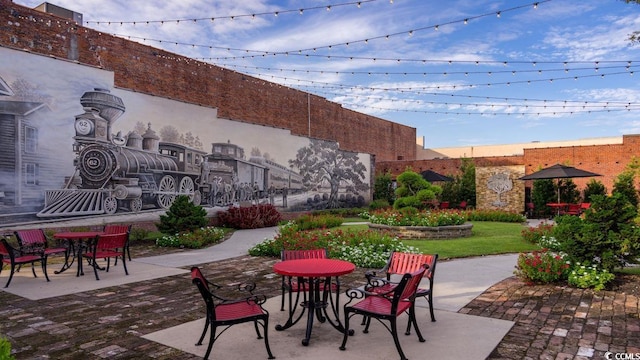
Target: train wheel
x,y
187,187
167,191
110,205
135,205
197,197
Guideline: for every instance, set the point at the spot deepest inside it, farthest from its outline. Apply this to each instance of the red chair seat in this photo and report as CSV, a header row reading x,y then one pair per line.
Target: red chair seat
x,y
235,311
381,305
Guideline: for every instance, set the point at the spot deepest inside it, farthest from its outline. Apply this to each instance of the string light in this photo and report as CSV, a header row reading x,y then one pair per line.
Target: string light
x,y
233,17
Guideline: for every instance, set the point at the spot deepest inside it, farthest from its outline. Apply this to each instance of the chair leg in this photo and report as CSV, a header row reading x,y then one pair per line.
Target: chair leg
x,y
94,264
33,270
414,321
212,339
128,252
13,269
430,298
345,336
204,332
394,333
43,263
124,264
266,337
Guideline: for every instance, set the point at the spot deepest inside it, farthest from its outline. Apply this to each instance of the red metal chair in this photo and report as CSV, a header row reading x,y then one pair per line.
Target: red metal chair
x,y
290,285
14,257
387,306
119,229
34,241
107,246
573,209
228,312
444,205
401,263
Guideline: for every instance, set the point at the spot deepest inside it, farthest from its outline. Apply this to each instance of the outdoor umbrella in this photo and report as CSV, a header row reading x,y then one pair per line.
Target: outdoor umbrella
x,y
558,171
432,176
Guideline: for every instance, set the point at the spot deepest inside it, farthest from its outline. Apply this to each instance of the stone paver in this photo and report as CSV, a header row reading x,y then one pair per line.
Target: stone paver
x,y
551,322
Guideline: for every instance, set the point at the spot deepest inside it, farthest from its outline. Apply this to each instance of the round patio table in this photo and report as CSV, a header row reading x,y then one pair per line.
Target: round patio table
x,y
76,240
311,271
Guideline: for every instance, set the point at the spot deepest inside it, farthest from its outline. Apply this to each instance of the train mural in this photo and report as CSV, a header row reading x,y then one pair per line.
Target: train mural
x,y
128,173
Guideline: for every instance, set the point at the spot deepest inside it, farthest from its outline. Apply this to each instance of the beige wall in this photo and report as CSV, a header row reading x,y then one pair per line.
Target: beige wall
x,y
505,149
491,179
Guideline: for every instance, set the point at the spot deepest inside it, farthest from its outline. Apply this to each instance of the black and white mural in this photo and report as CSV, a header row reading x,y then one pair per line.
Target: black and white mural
x,y
75,145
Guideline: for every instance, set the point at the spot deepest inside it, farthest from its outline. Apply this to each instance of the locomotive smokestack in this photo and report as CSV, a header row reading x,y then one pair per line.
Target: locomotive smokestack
x,y
109,107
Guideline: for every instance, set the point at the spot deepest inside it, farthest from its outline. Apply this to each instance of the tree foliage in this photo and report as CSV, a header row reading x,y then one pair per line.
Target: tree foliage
x,y
594,187
607,236
383,188
463,187
414,191
182,216
323,163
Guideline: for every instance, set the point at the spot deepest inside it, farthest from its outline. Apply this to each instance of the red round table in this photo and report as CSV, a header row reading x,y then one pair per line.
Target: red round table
x,y
75,238
312,271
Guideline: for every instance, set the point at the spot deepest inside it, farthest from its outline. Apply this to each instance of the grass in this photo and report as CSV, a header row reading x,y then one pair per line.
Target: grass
x,y
632,270
488,238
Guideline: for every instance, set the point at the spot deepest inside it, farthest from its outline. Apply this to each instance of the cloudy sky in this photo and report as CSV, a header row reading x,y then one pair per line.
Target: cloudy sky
x,y
462,72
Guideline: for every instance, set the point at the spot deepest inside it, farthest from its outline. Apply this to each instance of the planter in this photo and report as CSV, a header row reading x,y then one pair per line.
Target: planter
x,y
427,232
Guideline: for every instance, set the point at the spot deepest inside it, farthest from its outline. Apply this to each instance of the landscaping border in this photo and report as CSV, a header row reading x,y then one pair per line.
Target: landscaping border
x,y
427,232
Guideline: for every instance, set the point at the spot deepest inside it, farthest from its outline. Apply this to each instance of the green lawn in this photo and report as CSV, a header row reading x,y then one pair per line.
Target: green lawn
x,y
488,238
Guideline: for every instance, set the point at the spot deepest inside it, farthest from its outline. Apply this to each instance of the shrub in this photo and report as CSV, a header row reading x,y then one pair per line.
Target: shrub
x,y
364,248
379,204
138,234
414,191
343,212
5,349
495,215
413,217
607,236
534,234
308,222
542,267
250,217
589,276
196,239
183,215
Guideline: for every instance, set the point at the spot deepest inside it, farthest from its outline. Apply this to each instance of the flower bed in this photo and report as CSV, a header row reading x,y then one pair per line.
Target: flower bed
x,y
413,224
426,232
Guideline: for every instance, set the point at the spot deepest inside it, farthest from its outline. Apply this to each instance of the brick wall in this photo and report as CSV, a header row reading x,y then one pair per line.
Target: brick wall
x,y
607,160
236,96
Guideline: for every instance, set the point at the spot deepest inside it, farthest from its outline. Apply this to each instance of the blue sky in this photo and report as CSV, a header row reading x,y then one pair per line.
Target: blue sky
x,y
512,72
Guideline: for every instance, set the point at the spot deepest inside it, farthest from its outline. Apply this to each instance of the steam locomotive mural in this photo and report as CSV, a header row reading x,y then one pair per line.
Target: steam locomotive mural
x,y
114,172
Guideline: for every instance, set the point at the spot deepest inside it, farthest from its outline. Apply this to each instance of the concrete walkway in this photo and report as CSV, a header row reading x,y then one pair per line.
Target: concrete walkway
x,y
457,283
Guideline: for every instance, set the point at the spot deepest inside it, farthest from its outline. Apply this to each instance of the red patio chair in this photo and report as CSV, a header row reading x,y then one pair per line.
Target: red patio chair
x,y
13,257
228,312
107,246
444,205
573,209
290,285
34,241
385,306
119,229
401,263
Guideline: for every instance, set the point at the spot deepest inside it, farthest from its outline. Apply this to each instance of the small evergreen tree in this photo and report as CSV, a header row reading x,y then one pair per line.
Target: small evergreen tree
x,y
594,187
625,186
543,192
183,215
607,236
569,192
383,188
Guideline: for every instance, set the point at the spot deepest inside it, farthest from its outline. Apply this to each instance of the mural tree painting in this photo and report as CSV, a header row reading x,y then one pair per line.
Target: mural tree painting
x,y
500,183
322,162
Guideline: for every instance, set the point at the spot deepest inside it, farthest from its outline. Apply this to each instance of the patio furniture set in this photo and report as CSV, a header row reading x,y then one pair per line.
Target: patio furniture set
x,y
33,247
311,286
